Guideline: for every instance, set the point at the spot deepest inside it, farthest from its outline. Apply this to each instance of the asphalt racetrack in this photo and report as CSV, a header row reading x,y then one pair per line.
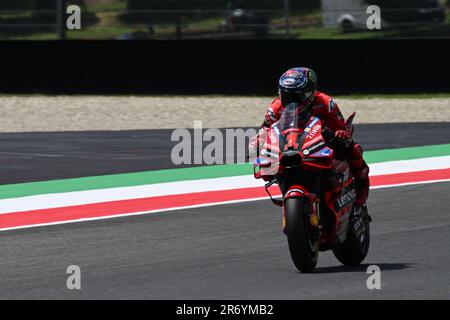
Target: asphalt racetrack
x,y
234,251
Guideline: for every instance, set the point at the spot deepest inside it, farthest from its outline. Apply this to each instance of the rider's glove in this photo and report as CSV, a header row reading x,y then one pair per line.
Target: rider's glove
x,y
344,137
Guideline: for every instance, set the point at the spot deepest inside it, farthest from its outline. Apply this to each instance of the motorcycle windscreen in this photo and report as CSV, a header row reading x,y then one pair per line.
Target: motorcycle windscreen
x,y
293,117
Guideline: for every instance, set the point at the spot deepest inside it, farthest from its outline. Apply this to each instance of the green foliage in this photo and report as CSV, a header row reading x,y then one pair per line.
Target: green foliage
x,y
12,5
51,4
172,4
217,6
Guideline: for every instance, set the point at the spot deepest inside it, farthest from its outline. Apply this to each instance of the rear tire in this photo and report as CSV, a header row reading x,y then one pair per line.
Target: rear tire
x,y
304,248
354,249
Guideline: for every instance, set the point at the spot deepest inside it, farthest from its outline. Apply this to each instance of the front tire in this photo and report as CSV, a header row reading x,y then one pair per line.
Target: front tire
x,y
303,245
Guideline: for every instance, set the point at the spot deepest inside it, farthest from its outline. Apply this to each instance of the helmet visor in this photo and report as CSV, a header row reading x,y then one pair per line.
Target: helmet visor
x,y
302,99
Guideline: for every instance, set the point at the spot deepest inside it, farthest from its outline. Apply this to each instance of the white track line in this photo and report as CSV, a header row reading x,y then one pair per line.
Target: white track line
x,y
404,166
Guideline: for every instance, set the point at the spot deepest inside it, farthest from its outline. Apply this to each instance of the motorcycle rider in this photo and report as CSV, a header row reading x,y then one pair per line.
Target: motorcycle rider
x,y
299,85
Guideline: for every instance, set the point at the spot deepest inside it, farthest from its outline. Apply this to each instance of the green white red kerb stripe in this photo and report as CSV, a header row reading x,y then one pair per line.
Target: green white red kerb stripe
x,y
92,198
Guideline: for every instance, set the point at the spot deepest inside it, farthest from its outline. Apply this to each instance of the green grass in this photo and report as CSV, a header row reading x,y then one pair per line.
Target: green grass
x,y
321,33
331,33
89,33
210,23
99,32
34,36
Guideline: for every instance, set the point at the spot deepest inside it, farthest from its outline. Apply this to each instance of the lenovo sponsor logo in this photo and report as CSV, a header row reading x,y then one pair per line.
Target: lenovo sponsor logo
x,y
346,198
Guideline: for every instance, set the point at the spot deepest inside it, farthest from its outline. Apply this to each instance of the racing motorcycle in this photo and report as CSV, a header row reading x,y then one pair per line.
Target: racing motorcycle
x,y
304,159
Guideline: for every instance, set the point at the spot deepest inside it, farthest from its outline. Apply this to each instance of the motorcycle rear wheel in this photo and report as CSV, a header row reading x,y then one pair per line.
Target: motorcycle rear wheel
x,y
354,249
303,246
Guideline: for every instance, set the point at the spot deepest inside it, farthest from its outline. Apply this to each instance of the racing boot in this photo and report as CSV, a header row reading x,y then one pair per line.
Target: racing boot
x,y
360,172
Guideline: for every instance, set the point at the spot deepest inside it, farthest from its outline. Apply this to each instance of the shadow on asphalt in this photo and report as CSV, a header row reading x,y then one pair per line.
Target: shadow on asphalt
x,y
363,267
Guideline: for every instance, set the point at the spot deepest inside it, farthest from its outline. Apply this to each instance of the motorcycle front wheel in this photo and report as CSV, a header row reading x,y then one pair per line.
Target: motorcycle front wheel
x,y
303,244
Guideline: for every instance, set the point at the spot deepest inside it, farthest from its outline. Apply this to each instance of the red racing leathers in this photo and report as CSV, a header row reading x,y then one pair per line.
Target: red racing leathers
x,y
326,108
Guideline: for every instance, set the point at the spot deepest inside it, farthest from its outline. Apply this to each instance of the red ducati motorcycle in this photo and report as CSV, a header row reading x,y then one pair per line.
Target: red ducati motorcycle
x,y
317,188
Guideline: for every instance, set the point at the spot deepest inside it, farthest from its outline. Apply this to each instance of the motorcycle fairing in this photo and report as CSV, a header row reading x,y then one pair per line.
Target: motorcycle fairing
x,y
315,153
340,195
